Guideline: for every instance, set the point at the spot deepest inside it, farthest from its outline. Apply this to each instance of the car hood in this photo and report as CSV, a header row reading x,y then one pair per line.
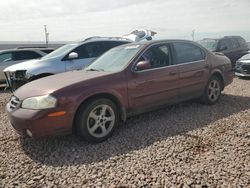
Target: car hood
x,y
50,84
24,65
245,61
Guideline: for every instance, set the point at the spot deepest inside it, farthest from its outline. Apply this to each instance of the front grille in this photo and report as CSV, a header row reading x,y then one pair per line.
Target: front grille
x,y
246,69
14,102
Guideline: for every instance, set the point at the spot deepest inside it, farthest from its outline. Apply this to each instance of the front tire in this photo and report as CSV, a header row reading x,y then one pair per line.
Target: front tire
x,y
96,120
212,91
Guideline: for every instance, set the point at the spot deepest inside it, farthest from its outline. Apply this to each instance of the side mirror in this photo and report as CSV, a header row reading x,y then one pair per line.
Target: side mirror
x,y
142,65
223,48
73,55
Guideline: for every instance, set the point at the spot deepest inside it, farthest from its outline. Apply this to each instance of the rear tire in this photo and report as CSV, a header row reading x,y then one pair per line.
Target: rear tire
x,y
96,120
212,91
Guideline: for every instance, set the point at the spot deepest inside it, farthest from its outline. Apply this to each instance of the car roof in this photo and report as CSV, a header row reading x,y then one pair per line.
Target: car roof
x,y
104,39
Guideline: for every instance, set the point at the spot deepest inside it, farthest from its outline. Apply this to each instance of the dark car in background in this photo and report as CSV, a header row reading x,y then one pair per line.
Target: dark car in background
x,y
127,80
234,47
242,67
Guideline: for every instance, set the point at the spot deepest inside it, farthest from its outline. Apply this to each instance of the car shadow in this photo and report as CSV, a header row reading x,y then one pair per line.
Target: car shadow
x,y
137,133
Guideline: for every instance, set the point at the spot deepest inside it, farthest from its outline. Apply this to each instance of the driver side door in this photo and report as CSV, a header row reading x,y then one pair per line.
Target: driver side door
x,y
157,85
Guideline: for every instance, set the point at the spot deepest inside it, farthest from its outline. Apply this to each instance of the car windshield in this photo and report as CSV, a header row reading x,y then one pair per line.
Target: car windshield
x,y
247,56
115,59
210,44
60,51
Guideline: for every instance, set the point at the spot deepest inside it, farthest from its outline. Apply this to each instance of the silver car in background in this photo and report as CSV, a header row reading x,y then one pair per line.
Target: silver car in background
x,y
13,56
69,57
242,67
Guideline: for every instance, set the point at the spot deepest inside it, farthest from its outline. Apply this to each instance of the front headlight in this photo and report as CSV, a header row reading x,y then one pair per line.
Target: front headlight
x,y
40,102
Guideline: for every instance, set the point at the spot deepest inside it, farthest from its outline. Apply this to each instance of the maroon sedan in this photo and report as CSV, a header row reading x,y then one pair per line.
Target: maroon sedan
x,y
125,81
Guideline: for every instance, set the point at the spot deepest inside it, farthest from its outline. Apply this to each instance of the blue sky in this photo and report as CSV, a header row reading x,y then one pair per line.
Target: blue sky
x,y
69,20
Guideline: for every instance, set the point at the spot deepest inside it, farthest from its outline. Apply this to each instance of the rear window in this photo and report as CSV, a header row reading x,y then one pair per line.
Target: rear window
x,y
186,52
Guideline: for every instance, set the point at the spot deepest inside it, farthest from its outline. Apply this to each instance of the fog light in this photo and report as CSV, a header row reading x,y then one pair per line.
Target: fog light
x,y
29,133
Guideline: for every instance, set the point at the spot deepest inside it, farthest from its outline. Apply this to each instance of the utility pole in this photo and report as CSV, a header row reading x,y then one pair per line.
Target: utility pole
x,y
193,34
46,36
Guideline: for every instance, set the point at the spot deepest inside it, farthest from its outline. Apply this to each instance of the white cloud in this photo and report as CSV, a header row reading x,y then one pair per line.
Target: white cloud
x,y
74,20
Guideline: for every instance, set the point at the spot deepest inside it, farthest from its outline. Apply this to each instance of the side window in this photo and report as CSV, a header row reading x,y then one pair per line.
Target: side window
x,y
81,51
158,56
235,43
223,45
22,55
186,52
6,57
95,49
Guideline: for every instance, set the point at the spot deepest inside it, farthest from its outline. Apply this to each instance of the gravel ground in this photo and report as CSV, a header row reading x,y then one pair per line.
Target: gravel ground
x,y
185,145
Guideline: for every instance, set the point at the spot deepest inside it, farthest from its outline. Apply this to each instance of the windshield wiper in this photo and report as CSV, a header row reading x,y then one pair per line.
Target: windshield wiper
x,y
94,69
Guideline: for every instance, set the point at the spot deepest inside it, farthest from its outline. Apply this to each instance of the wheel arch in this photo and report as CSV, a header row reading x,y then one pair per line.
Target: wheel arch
x,y
113,98
219,75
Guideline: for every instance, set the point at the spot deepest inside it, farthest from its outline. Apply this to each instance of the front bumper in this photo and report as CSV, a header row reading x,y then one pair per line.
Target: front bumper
x,y
38,122
242,74
242,69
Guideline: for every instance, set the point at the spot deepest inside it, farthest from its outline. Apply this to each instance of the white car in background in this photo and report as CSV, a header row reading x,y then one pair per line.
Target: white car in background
x,y
70,57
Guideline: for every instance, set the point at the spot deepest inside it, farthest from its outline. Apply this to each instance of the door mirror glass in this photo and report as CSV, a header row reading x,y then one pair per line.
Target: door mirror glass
x,y
142,65
73,55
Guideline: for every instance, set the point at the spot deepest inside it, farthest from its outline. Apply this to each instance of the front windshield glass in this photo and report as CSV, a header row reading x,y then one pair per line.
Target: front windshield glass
x,y
115,59
210,44
60,51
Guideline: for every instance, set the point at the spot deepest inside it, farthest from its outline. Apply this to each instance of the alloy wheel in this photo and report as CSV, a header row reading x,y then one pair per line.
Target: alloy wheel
x,y
214,90
100,121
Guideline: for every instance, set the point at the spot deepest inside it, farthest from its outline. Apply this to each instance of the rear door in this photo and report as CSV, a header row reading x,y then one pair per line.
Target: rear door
x,y
157,85
193,69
